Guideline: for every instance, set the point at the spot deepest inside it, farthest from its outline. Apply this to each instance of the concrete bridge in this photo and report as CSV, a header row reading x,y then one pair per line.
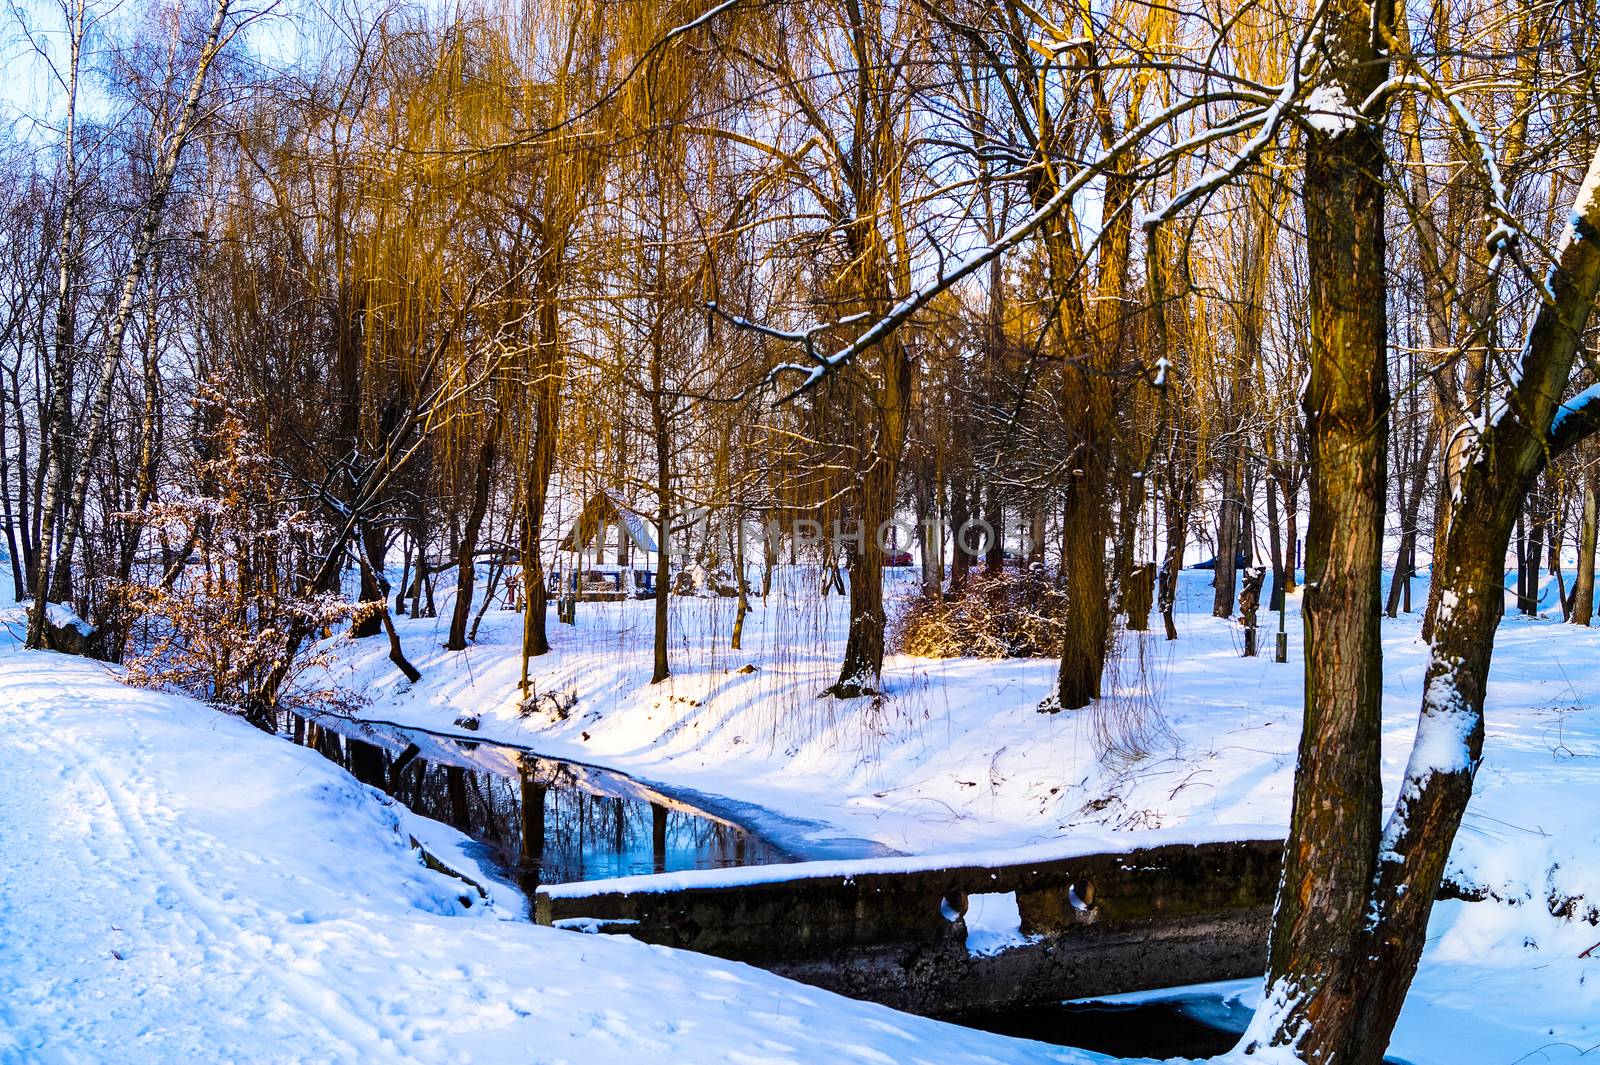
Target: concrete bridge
x,y
895,930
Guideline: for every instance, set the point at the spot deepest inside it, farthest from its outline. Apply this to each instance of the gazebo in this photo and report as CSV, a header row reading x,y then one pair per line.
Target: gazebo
x,y
607,522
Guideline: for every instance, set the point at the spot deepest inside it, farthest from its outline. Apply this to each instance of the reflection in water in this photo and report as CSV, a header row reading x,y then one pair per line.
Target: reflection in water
x,y
542,820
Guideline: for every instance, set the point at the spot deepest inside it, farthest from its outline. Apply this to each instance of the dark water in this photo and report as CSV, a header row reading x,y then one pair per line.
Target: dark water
x,y
540,820
1191,1026
1186,1024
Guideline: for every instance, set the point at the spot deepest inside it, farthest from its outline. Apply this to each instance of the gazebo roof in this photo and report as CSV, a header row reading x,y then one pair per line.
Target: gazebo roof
x,y
606,507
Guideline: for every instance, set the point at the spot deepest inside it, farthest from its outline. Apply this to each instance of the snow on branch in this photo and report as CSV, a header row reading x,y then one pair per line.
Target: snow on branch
x,y
1578,417
1270,120
824,364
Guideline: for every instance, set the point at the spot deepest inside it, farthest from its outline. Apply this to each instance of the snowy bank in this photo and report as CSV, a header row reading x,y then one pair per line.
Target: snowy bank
x,y
176,886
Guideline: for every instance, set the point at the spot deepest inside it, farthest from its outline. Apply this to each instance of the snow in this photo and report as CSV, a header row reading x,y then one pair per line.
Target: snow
x,y
1575,406
994,923
1078,844
1585,213
1328,112
63,616
956,760
176,886
1443,731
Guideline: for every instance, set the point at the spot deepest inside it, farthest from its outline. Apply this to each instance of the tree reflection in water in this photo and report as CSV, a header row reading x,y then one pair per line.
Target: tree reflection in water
x,y
541,820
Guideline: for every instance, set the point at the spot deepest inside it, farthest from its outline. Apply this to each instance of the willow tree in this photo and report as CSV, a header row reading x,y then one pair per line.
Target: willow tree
x,y
439,230
665,240
848,76
551,62
1066,98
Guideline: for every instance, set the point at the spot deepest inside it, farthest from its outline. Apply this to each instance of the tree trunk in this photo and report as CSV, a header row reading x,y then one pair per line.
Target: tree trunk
x,y
863,655
1179,498
1226,574
1533,559
742,585
1291,532
994,512
419,577
1583,589
874,498
930,537
1086,621
370,574
373,548
769,562
1034,556
1086,388
1249,604
466,567
153,213
1441,532
1274,546
1410,503
1552,544
960,515
1317,968
536,478
408,546
662,668
55,430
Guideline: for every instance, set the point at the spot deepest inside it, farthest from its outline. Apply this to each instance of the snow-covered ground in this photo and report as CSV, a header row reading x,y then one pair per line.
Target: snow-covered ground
x,y
1194,738
175,886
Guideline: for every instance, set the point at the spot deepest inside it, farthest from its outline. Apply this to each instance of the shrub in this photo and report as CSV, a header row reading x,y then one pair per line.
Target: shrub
x,y
216,624
1004,615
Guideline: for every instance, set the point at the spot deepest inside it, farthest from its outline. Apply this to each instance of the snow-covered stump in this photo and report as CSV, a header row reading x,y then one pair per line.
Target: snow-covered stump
x,y
896,931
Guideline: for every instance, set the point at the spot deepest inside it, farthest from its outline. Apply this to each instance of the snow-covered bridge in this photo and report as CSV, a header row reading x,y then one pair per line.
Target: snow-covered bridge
x,y
954,935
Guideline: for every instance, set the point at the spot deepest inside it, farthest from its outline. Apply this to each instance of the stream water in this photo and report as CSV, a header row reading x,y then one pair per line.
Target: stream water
x,y
1188,1022
1183,1024
547,820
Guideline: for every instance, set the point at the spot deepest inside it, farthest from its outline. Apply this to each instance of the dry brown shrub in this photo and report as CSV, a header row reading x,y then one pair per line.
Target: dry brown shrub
x,y
217,627
1003,615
